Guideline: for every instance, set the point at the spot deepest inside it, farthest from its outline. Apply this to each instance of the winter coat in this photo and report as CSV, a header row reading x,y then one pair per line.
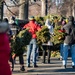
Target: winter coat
x,y
4,54
33,28
50,27
68,30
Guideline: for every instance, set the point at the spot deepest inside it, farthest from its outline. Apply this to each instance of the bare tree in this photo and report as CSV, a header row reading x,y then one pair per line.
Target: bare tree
x,y
1,10
43,7
23,9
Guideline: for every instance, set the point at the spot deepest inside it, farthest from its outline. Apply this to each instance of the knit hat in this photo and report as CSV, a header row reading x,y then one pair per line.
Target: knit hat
x,y
31,18
71,18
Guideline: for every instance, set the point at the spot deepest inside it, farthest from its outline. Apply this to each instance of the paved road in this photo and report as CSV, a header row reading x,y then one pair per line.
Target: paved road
x,y
54,68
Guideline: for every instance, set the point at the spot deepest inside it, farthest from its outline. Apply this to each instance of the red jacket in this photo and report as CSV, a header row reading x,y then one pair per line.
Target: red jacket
x,y
4,54
33,28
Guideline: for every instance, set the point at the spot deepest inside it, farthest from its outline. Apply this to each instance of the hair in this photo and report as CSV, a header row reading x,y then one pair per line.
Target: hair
x,y
71,18
13,18
5,20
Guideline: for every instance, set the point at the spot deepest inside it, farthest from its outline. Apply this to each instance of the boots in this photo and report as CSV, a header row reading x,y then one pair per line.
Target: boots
x,y
22,68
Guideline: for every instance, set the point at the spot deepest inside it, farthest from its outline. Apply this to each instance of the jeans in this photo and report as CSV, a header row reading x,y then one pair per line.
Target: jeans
x,y
65,53
32,47
61,50
37,54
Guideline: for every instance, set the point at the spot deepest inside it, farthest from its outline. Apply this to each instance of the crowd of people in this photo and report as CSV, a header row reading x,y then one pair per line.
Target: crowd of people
x,y
5,50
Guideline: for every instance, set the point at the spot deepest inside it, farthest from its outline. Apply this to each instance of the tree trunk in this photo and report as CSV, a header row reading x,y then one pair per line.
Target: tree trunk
x,y
23,9
44,8
73,9
1,10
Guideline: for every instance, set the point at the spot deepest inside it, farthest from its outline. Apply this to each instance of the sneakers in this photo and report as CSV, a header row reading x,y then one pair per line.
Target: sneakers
x,y
22,68
48,61
28,66
61,59
73,67
64,66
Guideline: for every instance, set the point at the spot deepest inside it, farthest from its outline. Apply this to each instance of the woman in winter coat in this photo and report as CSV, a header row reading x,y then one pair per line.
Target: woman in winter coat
x,y
4,53
49,44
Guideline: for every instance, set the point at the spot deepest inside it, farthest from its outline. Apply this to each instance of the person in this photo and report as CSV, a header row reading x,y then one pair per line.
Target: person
x,y
61,45
21,59
9,33
32,47
48,46
4,52
49,25
69,43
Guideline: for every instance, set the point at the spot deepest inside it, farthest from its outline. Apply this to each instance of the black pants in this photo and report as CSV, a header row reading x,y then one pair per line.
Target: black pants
x,y
45,48
12,61
21,60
